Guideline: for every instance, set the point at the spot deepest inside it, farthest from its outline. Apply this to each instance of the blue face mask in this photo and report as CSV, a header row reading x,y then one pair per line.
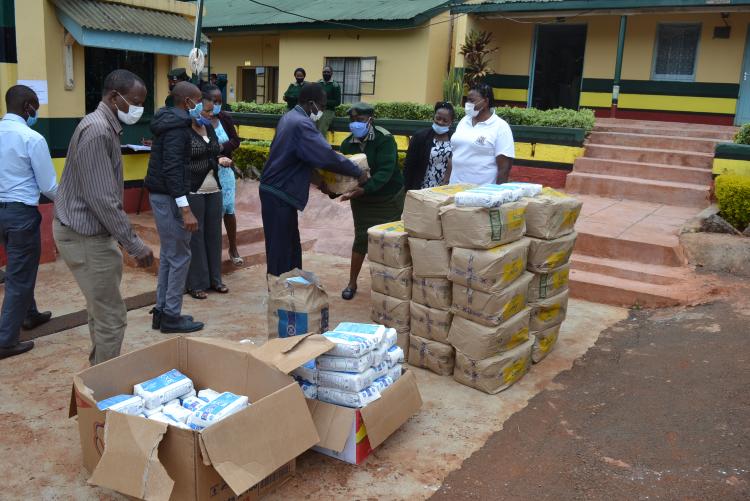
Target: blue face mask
x,y
203,121
440,129
217,109
359,129
196,111
31,121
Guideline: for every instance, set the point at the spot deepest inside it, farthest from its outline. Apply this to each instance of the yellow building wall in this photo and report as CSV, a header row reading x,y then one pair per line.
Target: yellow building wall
x,y
438,57
229,53
601,46
514,42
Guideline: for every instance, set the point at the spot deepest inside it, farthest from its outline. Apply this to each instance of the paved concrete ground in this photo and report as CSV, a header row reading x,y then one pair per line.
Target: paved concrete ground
x,y
40,446
658,409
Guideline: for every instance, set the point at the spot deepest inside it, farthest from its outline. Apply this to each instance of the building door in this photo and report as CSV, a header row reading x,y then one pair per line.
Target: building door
x,y
743,104
558,66
249,84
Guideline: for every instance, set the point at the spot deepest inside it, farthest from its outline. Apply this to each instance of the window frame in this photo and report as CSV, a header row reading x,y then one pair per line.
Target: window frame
x,y
676,77
327,61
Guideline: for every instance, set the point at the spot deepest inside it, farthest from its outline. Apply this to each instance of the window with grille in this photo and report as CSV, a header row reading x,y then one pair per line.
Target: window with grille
x,y
356,75
676,51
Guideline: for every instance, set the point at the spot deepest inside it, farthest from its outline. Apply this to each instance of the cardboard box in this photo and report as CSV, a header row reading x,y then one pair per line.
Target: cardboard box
x,y
249,451
390,311
495,374
297,304
481,227
394,282
430,323
432,355
544,342
491,308
351,434
478,341
422,209
340,183
551,283
388,244
433,292
546,255
548,312
551,214
431,258
489,270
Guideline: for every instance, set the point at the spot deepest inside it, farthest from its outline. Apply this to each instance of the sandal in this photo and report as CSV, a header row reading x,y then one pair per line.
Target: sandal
x,y
237,260
198,294
221,288
348,293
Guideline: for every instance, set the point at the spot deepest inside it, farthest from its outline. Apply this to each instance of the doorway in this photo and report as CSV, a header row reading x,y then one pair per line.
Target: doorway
x,y
743,103
558,66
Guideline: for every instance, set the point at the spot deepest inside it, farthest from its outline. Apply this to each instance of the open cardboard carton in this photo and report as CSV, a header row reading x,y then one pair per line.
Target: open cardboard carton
x,y
351,434
241,457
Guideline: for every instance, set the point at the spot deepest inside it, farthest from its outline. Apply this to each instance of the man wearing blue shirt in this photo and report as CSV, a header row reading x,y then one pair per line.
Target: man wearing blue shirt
x,y
26,170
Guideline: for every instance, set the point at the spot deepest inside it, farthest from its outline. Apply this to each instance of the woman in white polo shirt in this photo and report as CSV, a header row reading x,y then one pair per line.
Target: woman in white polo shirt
x,y
483,149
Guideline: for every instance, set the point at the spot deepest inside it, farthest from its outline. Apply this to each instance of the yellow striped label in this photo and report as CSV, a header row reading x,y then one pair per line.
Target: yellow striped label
x,y
547,314
514,371
556,259
560,278
519,337
546,343
513,270
514,306
516,218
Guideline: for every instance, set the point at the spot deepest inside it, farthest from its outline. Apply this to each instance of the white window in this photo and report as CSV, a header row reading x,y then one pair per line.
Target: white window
x,y
356,75
676,51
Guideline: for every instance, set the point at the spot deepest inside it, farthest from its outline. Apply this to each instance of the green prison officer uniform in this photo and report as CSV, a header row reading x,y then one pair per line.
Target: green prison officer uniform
x,y
383,200
291,96
333,92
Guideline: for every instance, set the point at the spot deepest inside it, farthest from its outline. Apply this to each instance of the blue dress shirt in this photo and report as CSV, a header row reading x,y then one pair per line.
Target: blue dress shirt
x,y
26,168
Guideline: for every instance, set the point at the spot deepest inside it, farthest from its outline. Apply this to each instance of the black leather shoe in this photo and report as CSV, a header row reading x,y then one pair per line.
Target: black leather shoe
x,y
36,319
348,293
156,318
179,325
11,351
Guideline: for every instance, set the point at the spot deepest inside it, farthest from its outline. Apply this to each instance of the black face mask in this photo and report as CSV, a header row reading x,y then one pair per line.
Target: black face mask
x,y
326,77
300,80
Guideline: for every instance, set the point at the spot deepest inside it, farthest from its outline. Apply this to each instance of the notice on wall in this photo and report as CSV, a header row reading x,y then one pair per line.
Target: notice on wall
x,y
38,86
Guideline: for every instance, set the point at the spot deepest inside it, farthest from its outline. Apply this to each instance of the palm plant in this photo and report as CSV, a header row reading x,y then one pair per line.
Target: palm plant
x,y
453,87
476,49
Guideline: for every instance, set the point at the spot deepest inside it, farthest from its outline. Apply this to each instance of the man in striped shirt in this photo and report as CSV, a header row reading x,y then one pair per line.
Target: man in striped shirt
x,y
89,217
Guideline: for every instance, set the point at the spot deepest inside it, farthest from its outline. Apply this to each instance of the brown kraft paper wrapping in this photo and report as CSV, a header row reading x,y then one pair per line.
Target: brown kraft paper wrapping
x,y
495,374
430,323
489,270
482,227
551,214
394,282
548,312
551,283
491,309
341,183
422,209
478,341
546,255
428,354
390,311
431,258
294,295
433,292
388,244
544,343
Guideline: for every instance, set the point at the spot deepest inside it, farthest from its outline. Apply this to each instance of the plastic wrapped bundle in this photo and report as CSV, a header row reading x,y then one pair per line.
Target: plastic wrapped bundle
x,y
224,405
489,195
350,345
162,389
395,355
125,404
346,381
347,398
344,364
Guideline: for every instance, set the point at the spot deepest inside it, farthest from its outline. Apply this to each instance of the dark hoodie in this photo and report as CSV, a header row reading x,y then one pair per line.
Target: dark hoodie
x,y
170,153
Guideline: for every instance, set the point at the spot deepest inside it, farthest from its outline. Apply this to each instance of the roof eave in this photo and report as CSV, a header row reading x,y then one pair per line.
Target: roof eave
x,y
583,5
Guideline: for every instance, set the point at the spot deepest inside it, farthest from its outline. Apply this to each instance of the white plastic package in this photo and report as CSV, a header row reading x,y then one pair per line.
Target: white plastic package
x,y
150,412
394,355
125,404
382,383
374,330
390,338
378,354
489,195
222,406
308,372
163,418
175,402
192,393
345,364
309,389
193,403
346,381
395,372
380,370
208,394
177,412
528,189
348,398
164,388
350,345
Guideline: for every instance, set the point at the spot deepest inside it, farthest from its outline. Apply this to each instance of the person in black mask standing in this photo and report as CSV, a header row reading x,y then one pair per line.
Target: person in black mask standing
x,y
333,94
291,96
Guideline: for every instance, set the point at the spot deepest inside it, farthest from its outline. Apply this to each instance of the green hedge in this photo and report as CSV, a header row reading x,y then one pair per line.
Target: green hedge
x,y
743,135
560,117
251,156
733,195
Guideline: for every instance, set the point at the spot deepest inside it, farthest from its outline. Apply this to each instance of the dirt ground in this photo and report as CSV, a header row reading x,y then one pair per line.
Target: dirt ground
x,y
659,408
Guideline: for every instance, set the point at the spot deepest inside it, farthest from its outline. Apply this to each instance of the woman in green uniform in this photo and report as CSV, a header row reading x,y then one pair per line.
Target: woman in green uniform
x,y
381,199
291,96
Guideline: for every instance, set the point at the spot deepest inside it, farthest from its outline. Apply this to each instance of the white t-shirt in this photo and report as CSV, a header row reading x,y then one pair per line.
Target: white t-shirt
x,y
475,148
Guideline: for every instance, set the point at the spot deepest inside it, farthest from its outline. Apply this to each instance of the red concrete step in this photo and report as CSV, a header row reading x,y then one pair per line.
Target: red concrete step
x,y
656,141
617,291
657,249
247,231
647,190
649,155
638,129
629,270
657,172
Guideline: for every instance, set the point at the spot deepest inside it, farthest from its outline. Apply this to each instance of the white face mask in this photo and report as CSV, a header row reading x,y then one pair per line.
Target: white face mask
x,y
132,116
316,116
470,111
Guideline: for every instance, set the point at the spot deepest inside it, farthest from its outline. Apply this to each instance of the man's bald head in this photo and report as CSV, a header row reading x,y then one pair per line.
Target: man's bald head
x,y
21,100
183,91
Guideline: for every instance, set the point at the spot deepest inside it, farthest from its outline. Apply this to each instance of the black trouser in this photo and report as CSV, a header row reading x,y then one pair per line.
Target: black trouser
x,y
205,244
19,232
281,230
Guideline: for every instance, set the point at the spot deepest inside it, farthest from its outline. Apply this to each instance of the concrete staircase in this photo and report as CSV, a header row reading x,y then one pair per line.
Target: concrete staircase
x,y
640,181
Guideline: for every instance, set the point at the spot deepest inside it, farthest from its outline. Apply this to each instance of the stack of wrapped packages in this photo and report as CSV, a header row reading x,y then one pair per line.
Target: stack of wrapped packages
x,y
364,361
485,227
390,272
431,317
550,226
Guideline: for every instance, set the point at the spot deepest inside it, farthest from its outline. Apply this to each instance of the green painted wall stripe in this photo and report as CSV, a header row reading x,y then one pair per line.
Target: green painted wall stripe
x,y
507,81
732,151
543,164
7,14
8,53
58,131
697,89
